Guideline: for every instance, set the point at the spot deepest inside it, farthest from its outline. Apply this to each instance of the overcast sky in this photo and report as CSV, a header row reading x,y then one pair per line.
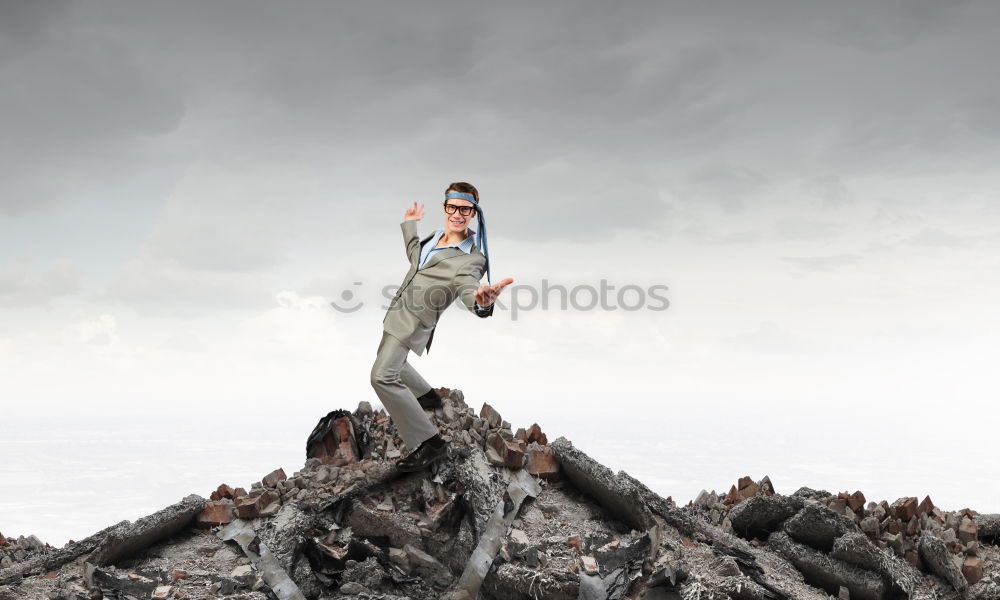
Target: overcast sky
x,y
186,186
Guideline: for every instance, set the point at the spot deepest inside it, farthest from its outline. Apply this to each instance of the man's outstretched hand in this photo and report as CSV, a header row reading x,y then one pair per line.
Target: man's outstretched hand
x,y
487,294
414,214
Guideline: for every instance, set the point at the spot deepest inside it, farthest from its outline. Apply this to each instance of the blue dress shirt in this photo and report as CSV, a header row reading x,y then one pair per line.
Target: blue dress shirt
x,y
465,245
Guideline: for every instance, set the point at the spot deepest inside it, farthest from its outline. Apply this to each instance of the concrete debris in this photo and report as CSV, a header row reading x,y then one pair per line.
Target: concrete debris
x,y
39,560
827,572
521,486
818,526
613,492
757,516
271,571
132,537
938,558
857,549
508,515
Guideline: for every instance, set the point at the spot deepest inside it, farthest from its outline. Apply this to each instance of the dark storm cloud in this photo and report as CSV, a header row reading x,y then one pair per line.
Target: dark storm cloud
x,y
75,107
580,100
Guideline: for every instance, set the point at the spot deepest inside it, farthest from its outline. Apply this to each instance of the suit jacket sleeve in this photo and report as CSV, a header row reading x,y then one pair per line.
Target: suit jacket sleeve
x,y
468,282
411,240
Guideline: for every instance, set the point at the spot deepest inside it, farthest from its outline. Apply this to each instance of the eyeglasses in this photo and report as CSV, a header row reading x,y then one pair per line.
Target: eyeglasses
x,y
465,211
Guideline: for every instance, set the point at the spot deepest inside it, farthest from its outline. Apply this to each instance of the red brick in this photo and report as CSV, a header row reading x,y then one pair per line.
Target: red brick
x,y
219,512
492,417
344,435
904,508
750,490
494,440
512,451
541,463
178,574
733,496
913,558
967,530
239,493
521,434
271,479
513,454
913,526
574,542
3,540
856,501
972,568
743,482
535,435
248,507
925,505
223,491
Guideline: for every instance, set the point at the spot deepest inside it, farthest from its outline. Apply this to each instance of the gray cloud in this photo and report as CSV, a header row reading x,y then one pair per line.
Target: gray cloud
x,y
22,288
232,217
153,286
822,263
722,184
936,238
830,189
76,108
793,228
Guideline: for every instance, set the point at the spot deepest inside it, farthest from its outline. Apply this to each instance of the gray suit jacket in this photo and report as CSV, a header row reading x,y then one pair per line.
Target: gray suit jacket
x,y
449,273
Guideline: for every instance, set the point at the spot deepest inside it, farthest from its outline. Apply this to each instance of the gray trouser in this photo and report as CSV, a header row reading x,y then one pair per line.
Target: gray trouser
x,y
397,384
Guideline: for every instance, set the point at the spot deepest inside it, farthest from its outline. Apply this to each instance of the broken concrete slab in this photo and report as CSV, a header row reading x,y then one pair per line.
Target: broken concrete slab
x,y
758,516
615,492
988,526
132,537
855,547
57,557
817,526
826,572
936,555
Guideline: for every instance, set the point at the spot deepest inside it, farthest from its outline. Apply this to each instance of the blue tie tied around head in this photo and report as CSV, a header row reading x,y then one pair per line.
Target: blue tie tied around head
x,y
482,225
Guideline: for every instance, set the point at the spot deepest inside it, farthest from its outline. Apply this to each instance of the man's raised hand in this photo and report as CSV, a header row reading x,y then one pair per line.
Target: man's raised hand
x,y
487,294
414,214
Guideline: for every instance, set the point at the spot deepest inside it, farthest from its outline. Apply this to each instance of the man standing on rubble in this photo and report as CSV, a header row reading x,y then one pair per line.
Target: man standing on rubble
x,y
445,265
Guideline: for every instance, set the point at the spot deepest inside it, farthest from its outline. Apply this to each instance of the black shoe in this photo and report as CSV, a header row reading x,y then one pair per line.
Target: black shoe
x,y
429,451
430,400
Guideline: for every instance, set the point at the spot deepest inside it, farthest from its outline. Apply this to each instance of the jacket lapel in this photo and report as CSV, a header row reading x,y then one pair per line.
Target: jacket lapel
x,y
443,254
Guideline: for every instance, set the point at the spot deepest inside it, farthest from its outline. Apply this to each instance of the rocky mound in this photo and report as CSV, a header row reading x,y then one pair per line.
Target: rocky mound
x,y
508,516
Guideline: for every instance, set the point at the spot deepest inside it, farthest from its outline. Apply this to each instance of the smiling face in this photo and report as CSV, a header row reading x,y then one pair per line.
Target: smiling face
x,y
456,222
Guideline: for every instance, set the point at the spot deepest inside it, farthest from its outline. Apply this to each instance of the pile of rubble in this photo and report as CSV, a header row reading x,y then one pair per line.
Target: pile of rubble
x,y
508,515
21,549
